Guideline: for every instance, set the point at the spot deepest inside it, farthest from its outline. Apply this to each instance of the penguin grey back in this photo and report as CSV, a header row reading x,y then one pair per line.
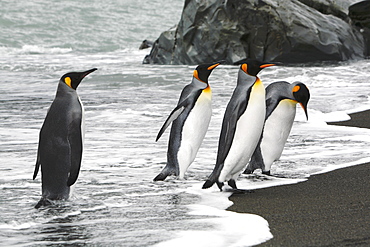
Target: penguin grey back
x,y
247,80
60,140
275,93
180,116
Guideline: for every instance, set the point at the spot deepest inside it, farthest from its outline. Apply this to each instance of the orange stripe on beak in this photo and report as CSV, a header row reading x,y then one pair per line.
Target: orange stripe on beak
x,y
267,65
213,66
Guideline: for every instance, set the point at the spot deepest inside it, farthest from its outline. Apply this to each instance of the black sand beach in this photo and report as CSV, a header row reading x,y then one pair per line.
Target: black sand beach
x,y
331,209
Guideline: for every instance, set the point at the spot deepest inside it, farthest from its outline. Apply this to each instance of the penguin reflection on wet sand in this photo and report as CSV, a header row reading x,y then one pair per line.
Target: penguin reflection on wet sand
x,y
61,141
281,100
241,127
190,120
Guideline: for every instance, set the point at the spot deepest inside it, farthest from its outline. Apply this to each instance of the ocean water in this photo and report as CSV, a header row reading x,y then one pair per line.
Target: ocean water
x,y
115,202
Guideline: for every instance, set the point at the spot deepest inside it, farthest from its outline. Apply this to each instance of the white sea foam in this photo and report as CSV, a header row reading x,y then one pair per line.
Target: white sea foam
x,y
17,226
336,116
34,49
228,228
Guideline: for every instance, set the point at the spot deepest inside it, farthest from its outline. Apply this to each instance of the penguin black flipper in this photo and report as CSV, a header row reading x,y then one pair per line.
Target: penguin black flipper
x,y
233,112
271,104
75,143
37,166
40,151
183,107
174,114
232,115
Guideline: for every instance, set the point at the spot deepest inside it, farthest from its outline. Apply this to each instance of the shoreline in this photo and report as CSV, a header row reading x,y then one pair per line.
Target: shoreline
x,y
359,119
329,209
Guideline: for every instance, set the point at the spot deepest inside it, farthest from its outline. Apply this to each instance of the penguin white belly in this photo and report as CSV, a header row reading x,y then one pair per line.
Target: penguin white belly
x,y
247,134
194,130
276,132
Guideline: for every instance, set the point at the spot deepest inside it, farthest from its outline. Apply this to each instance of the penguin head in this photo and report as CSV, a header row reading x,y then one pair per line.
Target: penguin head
x,y
73,79
203,71
301,94
253,67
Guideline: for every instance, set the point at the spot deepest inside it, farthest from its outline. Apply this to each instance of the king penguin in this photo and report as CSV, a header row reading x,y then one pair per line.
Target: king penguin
x,y
241,127
190,120
281,100
61,140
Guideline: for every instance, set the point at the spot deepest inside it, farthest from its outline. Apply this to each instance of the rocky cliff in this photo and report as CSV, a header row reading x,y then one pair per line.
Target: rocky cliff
x,y
293,31
360,17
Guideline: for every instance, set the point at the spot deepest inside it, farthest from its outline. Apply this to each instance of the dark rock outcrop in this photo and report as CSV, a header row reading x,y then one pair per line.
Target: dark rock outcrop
x,y
294,31
360,16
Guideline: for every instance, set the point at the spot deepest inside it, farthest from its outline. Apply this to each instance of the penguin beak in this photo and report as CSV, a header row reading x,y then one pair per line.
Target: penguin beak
x,y
304,107
267,65
215,65
84,74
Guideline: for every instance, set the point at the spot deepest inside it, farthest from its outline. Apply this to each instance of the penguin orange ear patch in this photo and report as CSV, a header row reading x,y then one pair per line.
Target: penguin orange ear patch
x,y
245,67
195,74
68,81
296,89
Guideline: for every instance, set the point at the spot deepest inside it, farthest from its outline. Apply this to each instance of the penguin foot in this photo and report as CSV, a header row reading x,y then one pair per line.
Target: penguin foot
x,y
43,202
160,177
232,184
208,184
247,171
168,170
234,189
268,173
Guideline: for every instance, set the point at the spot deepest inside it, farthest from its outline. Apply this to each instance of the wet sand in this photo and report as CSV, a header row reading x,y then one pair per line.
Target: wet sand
x,y
331,209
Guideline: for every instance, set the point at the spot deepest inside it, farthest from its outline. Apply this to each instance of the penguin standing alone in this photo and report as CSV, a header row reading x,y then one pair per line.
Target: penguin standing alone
x,y
61,140
281,100
241,127
190,119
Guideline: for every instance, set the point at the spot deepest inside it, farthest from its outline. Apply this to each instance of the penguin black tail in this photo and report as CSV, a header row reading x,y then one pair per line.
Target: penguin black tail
x,y
256,162
252,166
167,171
43,202
247,171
